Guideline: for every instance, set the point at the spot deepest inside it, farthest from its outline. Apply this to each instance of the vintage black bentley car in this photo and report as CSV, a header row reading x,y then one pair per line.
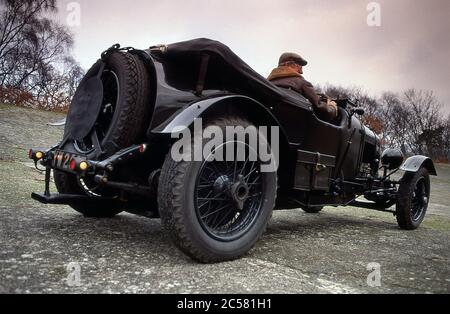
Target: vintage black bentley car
x,y
115,154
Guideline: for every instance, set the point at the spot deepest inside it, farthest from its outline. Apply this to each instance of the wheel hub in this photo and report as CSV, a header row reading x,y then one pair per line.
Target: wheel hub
x,y
237,191
229,198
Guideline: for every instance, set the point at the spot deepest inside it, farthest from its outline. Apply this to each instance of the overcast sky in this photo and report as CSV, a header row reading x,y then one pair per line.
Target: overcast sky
x,y
411,48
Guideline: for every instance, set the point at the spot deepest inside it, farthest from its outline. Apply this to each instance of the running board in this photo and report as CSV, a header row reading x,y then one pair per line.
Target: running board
x,y
374,206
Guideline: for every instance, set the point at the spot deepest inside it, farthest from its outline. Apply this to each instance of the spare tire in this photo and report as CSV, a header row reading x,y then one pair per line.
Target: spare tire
x,y
124,112
122,120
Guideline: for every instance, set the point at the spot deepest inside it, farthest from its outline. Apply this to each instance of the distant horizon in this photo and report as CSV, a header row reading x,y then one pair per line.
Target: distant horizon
x,y
410,48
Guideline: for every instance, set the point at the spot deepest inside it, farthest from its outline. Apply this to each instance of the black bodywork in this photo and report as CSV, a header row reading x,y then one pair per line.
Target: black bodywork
x,y
320,163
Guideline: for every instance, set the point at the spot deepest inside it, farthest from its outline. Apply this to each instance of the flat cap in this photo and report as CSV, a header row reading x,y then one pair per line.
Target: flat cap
x,y
292,57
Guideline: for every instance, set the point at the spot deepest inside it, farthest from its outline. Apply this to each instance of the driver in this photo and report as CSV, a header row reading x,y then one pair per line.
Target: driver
x,y
288,74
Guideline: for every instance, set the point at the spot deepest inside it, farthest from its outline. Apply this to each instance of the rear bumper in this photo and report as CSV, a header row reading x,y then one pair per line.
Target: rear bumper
x,y
100,171
141,209
54,159
70,199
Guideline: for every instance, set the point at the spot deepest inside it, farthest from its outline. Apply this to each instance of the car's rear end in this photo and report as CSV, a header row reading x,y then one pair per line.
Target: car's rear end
x,y
103,164
114,154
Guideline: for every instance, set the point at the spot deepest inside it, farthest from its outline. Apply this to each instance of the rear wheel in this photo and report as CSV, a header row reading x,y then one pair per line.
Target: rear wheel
x,y
216,210
413,199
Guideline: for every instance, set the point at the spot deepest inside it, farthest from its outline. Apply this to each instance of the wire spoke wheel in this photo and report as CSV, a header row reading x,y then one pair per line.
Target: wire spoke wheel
x,y
228,197
216,208
419,200
413,198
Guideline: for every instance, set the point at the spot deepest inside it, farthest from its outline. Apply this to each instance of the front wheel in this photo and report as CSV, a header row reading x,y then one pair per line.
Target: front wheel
x,y
413,199
216,210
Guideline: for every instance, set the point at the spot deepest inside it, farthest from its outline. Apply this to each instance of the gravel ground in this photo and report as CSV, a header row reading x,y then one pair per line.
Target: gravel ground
x,y
42,248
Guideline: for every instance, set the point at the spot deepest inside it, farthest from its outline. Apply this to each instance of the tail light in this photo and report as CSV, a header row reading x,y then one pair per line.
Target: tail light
x,y
78,165
36,155
73,165
84,165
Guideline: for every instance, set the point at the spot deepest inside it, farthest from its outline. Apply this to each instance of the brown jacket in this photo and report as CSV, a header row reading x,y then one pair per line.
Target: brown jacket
x,y
286,77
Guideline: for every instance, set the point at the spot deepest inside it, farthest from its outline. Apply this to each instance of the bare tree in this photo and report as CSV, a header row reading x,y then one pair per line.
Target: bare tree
x,y
20,21
410,121
35,54
395,120
423,121
372,117
444,141
56,87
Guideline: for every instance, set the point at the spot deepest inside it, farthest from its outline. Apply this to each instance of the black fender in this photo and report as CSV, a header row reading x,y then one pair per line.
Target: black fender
x,y
254,110
414,163
236,104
